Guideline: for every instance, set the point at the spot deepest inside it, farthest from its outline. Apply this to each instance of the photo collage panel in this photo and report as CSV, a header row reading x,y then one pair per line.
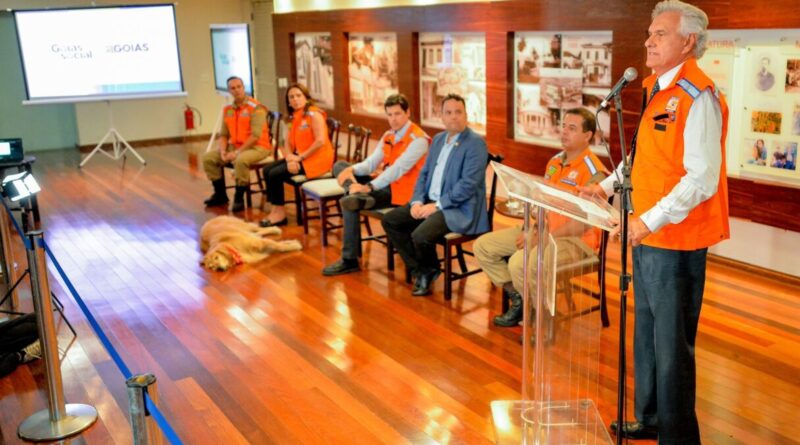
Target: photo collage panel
x,y
555,72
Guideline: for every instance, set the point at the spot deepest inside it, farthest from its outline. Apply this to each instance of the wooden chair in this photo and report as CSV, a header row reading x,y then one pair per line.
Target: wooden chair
x,y
297,181
566,272
327,192
274,125
456,241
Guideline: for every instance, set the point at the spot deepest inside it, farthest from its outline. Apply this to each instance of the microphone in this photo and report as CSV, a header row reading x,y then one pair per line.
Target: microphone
x,y
627,77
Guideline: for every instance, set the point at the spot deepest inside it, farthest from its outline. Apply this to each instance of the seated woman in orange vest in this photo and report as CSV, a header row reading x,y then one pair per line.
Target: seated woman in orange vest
x,y
308,151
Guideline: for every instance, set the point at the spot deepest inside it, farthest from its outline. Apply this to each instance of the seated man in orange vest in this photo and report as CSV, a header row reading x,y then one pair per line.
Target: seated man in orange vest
x,y
575,166
385,178
243,141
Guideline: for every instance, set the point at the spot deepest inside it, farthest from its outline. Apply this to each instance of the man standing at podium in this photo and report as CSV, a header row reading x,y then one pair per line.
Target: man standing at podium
x,y
680,202
575,166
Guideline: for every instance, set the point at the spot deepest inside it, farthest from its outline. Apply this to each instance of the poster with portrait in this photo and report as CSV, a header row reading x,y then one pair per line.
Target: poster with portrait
x,y
372,71
453,63
783,155
795,131
554,72
314,66
766,70
792,84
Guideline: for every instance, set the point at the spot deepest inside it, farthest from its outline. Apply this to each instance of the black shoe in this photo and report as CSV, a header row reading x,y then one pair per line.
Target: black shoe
x,y
636,430
220,196
238,206
424,283
513,315
238,199
341,267
267,223
216,201
357,201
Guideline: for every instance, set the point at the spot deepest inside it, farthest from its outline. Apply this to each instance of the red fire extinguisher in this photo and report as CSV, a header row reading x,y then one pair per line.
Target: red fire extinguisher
x,y
188,117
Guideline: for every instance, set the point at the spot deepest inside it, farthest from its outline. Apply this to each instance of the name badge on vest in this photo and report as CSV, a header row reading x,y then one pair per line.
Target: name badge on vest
x,y
569,181
303,125
661,121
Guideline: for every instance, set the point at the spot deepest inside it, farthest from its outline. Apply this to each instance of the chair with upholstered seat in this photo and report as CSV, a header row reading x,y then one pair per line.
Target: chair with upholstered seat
x,y
327,192
297,181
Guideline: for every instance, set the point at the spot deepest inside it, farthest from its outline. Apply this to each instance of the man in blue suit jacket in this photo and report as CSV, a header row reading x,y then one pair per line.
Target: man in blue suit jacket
x,y
449,196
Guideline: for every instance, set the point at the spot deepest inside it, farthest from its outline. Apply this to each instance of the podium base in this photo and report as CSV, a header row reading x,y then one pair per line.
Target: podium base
x,y
39,428
565,422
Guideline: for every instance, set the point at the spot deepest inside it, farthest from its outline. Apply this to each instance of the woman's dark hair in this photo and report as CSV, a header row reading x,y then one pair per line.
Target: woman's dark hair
x,y
304,90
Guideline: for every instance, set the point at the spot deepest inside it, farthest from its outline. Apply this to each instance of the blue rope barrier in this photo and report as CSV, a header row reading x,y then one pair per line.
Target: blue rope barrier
x,y
25,241
92,321
166,428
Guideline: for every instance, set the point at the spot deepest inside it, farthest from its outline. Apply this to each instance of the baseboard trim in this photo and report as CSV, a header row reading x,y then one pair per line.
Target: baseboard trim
x,y
157,141
769,273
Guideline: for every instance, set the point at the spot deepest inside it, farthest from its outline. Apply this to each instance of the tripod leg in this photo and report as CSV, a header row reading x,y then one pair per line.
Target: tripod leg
x,y
128,147
97,148
13,287
60,309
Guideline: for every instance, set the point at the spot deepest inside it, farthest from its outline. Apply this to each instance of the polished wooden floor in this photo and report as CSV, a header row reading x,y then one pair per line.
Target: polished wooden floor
x,y
275,353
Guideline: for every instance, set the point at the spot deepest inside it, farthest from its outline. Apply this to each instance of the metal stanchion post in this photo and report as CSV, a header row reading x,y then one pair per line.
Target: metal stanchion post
x,y
59,420
8,262
145,430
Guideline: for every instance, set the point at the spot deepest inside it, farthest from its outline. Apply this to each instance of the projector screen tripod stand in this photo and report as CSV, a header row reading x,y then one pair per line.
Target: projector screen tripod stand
x,y
117,142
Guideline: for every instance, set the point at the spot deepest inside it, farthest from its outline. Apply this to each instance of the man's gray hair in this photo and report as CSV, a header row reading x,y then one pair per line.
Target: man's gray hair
x,y
693,21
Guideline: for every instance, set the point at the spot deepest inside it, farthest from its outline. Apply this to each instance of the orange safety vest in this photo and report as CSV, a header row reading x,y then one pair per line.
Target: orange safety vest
x,y
301,136
237,119
659,162
568,177
403,187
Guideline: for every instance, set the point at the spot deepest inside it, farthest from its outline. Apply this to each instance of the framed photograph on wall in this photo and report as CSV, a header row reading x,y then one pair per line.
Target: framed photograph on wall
x,y
372,70
758,71
315,66
453,63
554,72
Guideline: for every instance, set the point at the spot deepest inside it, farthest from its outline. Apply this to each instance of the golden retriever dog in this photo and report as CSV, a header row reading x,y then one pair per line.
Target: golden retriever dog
x,y
228,241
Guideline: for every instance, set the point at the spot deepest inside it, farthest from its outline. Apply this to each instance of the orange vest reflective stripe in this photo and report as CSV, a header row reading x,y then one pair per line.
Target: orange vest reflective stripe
x,y
301,136
403,187
658,163
568,177
237,120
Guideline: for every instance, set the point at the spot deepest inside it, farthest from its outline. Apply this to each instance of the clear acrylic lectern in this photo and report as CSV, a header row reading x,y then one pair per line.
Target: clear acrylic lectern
x,y
561,322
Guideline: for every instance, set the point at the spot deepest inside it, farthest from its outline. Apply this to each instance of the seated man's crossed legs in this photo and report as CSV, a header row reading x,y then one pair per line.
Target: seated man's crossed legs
x,y
351,204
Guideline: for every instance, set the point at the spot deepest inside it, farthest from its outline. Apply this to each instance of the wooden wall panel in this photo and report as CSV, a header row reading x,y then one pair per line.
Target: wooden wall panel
x,y
627,20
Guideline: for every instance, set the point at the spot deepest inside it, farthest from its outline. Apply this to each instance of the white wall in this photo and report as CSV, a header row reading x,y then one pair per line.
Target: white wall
x,y
283,6
761,245
161,118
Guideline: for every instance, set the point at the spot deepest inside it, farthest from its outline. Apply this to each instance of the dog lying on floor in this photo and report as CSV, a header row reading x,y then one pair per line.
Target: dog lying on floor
x,y
228,241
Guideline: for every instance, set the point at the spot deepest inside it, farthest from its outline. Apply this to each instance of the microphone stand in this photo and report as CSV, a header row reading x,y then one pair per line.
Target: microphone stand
x,y
626,207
